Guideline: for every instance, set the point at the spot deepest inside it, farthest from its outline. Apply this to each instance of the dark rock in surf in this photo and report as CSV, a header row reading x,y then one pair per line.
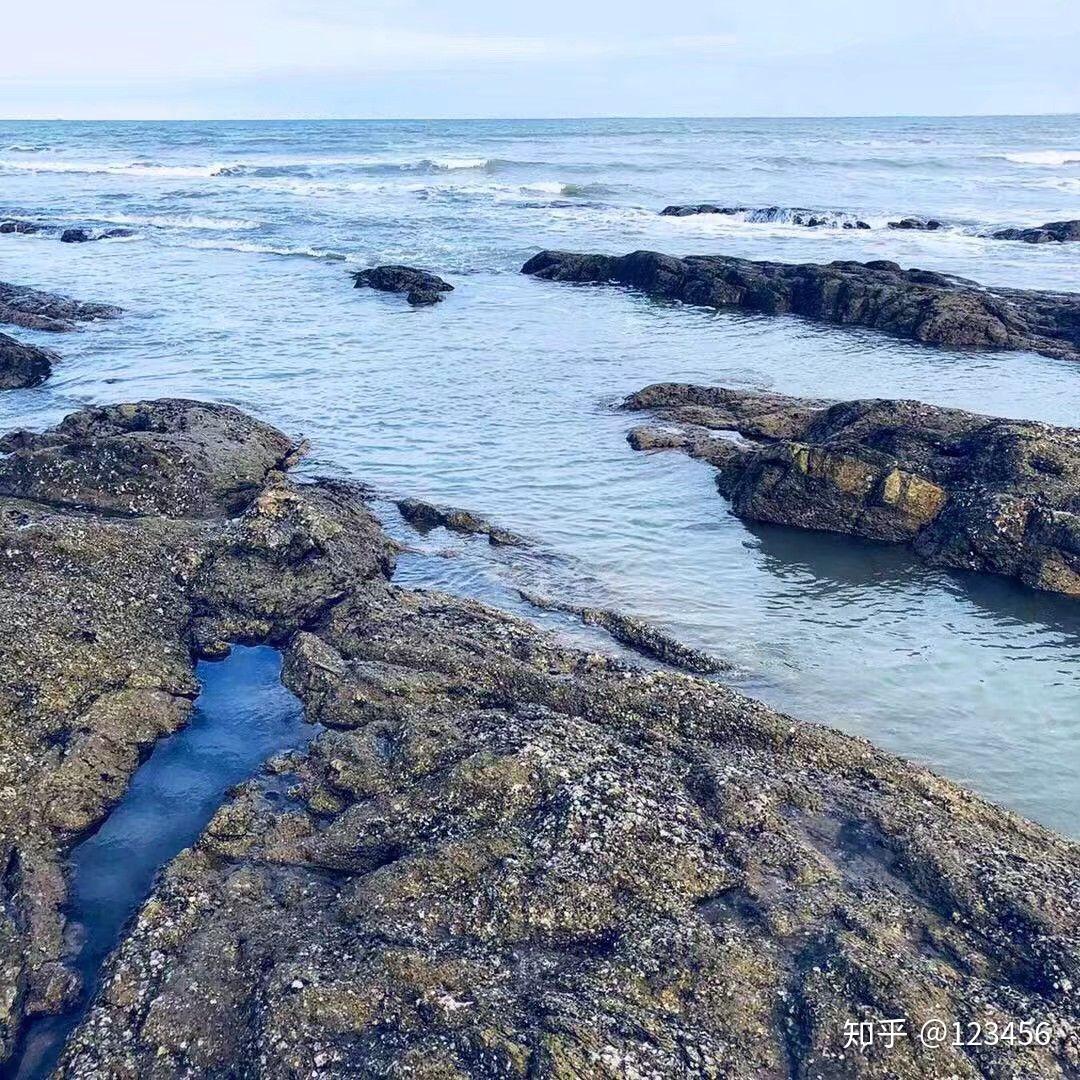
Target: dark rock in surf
x,y
964,490
922,305
425,516
23,365
84,236
33,309
501,856
422,288
22,227
812,219
917,224
1053,232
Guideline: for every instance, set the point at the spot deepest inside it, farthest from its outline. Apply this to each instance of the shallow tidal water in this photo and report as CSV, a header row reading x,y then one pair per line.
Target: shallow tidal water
x,y
500,399
243,715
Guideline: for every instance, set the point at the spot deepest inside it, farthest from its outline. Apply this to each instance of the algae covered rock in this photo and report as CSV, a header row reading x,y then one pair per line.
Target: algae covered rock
x,y
965,490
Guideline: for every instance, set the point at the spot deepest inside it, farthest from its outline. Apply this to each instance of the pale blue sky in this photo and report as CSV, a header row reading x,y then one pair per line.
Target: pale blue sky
x,y
501,58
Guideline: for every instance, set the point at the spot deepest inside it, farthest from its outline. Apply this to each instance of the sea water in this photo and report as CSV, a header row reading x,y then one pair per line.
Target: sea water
x,y
236,289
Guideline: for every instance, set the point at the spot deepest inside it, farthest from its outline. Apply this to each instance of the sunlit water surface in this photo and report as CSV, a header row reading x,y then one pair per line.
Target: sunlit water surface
x,y
500,398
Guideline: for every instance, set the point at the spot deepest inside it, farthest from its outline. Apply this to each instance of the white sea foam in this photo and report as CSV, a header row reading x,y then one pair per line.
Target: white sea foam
x,y
267,249
108,168
177,221
1051,158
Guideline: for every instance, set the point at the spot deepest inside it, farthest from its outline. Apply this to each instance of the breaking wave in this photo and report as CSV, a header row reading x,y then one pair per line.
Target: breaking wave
x,y
268,249
1051,158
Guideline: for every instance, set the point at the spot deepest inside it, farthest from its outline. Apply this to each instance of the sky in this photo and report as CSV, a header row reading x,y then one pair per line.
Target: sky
x,y
246,59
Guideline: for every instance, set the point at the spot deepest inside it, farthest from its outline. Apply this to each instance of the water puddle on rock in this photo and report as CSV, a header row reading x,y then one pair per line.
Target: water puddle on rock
x,y
243,716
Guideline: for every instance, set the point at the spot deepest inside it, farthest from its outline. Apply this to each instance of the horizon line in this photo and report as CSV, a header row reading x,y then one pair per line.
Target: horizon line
x,y
524,119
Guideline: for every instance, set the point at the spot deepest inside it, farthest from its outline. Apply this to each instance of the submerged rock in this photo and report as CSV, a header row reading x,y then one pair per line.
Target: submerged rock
x,y
1059,232
917,224
33,309
422,288
964,490
23,365
636,634
426,516
933,308
501,857
788,215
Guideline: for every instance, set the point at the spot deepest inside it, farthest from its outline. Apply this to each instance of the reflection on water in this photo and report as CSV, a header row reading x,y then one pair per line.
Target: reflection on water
x,y
242,716
499,399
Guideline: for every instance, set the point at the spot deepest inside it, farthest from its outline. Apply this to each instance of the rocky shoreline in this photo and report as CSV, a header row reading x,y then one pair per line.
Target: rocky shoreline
x,y
502,857
966,491
921,305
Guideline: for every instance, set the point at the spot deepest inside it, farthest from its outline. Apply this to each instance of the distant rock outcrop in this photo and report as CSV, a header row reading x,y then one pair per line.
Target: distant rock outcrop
x,y
917,224
85,236
783,215
1059,232
933,308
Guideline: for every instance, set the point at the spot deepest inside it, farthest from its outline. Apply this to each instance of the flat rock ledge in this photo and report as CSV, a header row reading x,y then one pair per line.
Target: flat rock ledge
x,y
23,365
501,857
33,309
964,490
921,305
421,288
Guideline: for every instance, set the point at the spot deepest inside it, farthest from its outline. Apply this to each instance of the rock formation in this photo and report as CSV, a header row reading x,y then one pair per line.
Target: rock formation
x,y
502,857
33,309
422,288
13,225
788,215
1052,232
23,365
917,224
932,308
967,491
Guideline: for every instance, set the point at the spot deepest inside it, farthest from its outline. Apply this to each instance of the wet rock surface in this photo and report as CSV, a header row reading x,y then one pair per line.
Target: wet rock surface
x,y
964,490
502,857
23,365
425,516
922,305
787,215
1053,232
421,288
33,309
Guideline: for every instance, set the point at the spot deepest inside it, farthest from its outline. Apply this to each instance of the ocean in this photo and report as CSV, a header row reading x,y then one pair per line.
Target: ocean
x,y
236,289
